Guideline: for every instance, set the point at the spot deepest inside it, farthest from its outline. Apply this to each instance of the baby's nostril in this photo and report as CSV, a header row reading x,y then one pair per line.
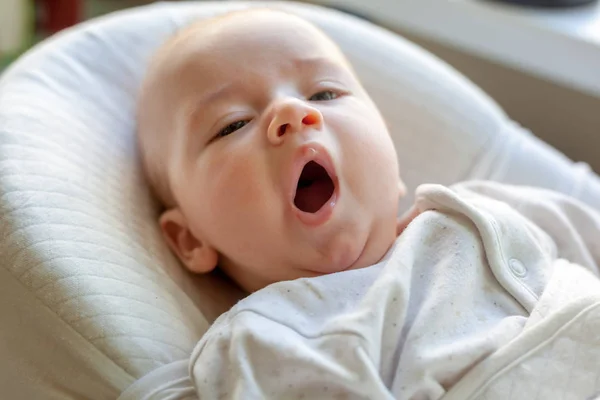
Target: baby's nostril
x,y
309,120
282,129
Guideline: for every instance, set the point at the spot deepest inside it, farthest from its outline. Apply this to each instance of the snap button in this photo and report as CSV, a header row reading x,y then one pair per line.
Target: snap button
x,y
517,267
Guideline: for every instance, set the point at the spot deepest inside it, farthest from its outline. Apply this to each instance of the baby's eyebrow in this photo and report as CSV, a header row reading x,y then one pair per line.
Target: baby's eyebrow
x,y
317,63
323,65
212,95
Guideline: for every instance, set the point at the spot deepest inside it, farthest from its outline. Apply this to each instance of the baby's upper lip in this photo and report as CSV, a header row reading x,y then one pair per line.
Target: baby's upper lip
x,y
306,153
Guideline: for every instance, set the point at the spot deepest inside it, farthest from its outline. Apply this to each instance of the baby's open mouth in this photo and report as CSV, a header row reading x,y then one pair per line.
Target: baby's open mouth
x,y
315,187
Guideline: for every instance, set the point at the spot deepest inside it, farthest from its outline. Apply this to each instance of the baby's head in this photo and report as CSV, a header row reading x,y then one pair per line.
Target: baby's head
x,y
270,158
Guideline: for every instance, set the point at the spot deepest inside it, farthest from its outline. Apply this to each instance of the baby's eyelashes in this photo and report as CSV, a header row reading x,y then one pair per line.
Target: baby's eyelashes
x,y
324,95
229,129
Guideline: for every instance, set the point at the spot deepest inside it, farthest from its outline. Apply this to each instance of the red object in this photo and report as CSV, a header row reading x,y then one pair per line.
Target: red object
x,y
59,14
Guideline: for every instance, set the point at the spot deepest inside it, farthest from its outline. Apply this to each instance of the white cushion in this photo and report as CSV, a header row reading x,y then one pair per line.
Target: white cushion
x,y
90,297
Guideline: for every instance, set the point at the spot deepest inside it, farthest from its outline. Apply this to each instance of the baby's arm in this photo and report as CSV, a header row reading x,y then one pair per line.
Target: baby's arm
x,y
253,356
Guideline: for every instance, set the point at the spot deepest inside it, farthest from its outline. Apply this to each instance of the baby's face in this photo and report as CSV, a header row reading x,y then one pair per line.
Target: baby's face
x,y
280,164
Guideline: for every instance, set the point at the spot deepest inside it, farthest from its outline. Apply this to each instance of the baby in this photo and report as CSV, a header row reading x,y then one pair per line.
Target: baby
x,y
269,156
274,164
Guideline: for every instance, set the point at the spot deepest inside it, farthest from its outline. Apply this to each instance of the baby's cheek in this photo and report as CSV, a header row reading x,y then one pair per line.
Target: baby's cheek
x,y
241,216
371,152
235,190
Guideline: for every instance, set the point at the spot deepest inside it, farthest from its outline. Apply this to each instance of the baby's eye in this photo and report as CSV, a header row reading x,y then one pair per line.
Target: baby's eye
x,y
229,129
325,95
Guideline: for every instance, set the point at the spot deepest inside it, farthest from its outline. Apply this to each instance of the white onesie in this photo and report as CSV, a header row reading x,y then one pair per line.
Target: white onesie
x,y
476,300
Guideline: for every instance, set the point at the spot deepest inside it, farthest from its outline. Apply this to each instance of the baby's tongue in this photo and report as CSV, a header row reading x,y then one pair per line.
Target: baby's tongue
x,y
312,195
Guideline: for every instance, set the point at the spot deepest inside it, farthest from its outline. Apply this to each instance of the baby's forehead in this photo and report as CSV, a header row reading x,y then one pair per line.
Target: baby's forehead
x,y
252,44
250,30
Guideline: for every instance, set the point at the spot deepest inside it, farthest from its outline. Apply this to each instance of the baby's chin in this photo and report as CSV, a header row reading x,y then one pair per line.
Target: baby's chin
x,y
350,261
354,254
376,248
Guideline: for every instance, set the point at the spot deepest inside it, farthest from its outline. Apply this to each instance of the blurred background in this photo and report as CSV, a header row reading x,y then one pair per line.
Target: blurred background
x,y
25,22
541,64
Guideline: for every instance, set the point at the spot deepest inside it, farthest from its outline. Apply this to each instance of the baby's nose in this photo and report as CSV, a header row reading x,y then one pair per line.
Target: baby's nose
x,y
292,116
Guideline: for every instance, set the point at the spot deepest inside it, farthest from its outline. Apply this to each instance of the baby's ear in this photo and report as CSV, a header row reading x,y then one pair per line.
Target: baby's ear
x,y
401,188
196,255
